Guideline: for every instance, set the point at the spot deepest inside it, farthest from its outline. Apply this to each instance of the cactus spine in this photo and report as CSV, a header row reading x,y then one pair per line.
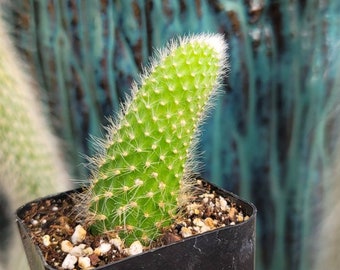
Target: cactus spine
x,y
143,176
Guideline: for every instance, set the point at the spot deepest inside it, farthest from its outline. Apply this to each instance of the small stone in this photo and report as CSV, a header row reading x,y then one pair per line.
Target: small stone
x,y
66,246
79,235
77,251
223,204
88,251
193,208
135,248
240,218
208,195
69,262
94,259
197,229
205,228
84,262
102,249
209,222
46,240
232,214
117,243
186,232
200,227
198,222
35,222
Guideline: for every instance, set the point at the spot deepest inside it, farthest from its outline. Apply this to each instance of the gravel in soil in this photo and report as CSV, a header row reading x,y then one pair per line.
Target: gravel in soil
x,y
65,244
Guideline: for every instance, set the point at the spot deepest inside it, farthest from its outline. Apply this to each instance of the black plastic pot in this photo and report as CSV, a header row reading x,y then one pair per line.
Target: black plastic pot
x,y
231,247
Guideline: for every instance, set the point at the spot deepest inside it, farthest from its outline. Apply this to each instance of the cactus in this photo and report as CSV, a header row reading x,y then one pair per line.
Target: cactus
x,y
144,173
30,162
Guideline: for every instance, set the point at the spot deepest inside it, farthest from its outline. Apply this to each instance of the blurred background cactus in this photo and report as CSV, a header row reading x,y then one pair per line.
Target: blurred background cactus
x,y
30,159
146,172
269,135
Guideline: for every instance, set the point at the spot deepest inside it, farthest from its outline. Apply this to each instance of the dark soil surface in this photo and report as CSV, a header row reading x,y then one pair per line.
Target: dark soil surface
x,y
52,222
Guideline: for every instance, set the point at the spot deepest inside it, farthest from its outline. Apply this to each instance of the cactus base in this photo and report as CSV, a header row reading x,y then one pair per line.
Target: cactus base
x,y
230,247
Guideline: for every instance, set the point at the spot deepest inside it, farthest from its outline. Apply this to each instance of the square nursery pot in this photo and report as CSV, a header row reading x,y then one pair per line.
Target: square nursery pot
x,y
230,247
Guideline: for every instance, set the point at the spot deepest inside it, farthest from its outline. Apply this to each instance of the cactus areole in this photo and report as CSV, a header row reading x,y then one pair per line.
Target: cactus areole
x,y
142,178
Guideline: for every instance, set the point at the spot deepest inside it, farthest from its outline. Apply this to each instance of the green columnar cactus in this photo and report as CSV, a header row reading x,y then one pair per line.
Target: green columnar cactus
x,y
30,162
143,176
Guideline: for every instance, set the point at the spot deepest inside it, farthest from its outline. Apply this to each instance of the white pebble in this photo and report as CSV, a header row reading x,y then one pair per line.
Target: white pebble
x,y
197,229
69,262
77,251
102,249
88,251
117,243
201,226
35,222
79,235
205,228
135,248
84,262
186,232
208,195
223,203
46,240
66,246
198,222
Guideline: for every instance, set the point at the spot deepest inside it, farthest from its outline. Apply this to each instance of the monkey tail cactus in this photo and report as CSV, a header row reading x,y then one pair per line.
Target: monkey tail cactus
x,y
142,178
30,159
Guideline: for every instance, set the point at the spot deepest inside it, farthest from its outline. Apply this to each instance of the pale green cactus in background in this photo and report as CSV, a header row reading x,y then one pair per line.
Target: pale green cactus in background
x,y
30,162
30,158
145,171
